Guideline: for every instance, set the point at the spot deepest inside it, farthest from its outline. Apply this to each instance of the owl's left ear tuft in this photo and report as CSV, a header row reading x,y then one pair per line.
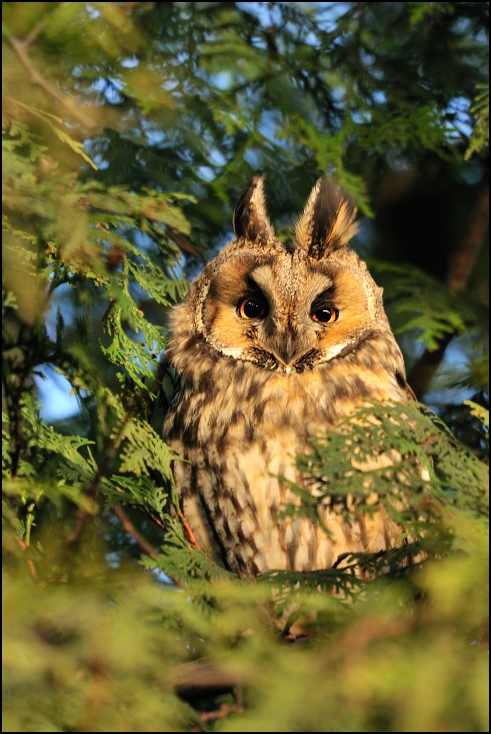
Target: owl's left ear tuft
x,y
250,218
327,222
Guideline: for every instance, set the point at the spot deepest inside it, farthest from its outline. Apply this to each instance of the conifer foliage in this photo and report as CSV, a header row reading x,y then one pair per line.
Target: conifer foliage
x,y
128,131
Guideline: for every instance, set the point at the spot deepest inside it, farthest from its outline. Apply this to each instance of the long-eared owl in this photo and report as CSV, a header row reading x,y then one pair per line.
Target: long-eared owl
x,y
272,344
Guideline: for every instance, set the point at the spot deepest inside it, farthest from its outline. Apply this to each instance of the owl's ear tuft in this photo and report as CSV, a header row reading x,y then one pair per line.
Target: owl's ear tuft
x,y
250,219
327,221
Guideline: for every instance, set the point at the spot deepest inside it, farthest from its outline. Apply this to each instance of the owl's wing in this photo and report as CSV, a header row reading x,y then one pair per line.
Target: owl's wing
x,y
193,509
406,388
410,392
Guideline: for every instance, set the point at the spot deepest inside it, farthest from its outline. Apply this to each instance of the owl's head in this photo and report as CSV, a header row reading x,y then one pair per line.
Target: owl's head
x,y
284,307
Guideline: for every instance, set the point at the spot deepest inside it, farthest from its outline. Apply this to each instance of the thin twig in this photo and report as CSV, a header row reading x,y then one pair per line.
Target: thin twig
x,y
31,37
110,454
30,564
222,713
152,517
130,528
81,520
82,516
426,367
20,49
188,530
185,244
142,542
20,543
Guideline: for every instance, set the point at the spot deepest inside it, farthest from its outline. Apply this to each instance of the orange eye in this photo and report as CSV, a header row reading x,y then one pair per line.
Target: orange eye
x,y
249,308
326,315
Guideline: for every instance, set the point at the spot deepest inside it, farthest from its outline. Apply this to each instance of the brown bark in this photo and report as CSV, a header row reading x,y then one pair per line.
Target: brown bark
x,y
460,269
463,260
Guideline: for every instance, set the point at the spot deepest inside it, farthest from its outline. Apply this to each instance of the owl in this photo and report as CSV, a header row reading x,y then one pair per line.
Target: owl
x,y
273,344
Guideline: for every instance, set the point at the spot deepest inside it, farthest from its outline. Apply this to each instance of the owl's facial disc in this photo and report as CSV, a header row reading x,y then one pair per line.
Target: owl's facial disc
x,y
282,314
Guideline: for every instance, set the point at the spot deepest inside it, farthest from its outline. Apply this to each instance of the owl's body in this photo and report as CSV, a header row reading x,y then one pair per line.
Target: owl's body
x,y
272,345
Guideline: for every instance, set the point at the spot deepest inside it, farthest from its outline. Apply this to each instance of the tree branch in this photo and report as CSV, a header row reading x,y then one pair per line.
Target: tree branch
x,y
463,260
81,515
31,37
222,713
130,528
460,269
201,678
20,49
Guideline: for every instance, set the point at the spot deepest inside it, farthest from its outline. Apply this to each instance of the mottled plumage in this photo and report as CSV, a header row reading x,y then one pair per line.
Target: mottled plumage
x,y
272,344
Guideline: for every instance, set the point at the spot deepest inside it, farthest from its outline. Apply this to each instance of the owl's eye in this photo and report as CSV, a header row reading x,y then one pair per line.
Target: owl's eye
x,y
249,308
326,315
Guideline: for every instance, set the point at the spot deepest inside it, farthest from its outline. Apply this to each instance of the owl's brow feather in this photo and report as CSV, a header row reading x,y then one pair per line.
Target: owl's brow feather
x,y
253,289
325,298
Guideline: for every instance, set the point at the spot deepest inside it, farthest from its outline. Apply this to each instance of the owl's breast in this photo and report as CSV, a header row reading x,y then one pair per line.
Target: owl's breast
x,y
241,433
232,405
249,408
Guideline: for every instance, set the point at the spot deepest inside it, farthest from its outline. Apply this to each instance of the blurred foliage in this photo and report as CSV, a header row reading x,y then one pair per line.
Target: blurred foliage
x,y
480,110
128,131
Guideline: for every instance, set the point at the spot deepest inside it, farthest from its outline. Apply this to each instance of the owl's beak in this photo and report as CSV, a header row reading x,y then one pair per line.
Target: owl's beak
x,y
288,344
287,351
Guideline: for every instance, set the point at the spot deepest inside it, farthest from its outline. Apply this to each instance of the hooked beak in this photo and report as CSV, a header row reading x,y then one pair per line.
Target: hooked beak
x,y
287,351
290,347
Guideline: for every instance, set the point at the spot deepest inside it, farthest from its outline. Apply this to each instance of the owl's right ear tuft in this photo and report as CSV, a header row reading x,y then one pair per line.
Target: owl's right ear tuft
x,y
250,218
327,222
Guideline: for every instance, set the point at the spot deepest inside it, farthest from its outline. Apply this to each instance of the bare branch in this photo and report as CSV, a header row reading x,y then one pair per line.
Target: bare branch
x,y
201,678
426,367
20,49
152,517
463,260
109,456
81,520
188,530
130,528
31,37
222,713
460,270
30,564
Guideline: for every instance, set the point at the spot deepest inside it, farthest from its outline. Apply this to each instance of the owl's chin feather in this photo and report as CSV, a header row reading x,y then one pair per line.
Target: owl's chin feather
x,y
313,357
